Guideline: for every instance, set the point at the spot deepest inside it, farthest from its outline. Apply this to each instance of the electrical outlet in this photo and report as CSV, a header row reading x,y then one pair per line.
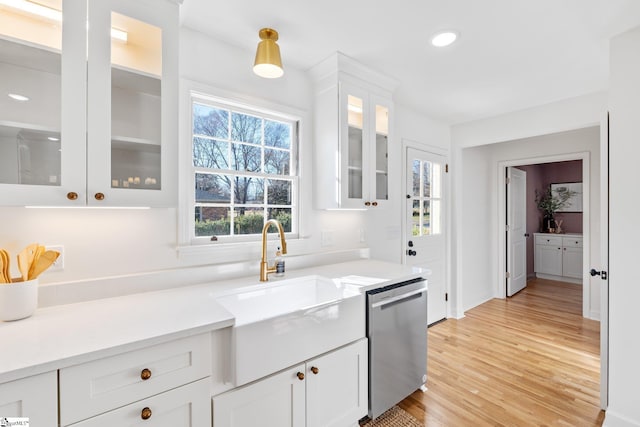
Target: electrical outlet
x,y
58,265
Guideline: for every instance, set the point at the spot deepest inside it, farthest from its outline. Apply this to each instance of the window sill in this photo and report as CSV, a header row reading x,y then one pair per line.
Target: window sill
x,y
221,253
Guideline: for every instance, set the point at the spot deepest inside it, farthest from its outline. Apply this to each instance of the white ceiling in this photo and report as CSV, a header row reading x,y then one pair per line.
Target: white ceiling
x,y
512,54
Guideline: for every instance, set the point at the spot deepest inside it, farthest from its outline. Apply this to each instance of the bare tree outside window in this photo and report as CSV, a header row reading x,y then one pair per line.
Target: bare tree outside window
x,y
242,164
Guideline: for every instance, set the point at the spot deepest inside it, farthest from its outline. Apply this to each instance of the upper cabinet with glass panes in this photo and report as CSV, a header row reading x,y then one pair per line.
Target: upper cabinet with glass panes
x,y
352,134
88,117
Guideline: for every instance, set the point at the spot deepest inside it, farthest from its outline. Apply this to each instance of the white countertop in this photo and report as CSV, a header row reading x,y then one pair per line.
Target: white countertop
x,y
65,335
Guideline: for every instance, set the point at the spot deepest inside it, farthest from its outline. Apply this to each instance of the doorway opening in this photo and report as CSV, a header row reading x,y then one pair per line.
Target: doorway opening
x,y
553,244
558,167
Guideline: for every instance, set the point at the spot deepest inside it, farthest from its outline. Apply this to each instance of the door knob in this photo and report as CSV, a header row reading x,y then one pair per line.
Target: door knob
x,y
603,274
411,252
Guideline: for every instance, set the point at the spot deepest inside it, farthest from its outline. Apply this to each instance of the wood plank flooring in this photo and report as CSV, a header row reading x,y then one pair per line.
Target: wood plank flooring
x,y
530,360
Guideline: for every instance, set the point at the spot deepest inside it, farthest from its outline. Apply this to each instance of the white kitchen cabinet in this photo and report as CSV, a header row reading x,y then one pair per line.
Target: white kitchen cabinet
x,y
558,257
186,406
102,385
353,126
337,387
275,401
35,398
100,123
327,391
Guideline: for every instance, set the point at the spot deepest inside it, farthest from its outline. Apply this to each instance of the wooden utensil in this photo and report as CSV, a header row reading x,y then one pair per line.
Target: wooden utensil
x,y
25,258
5,273
38,252
43,262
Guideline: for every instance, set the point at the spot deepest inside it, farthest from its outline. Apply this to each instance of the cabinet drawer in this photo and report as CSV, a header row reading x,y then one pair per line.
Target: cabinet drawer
x,y
102,385
572,242
186,406
548,240
34,397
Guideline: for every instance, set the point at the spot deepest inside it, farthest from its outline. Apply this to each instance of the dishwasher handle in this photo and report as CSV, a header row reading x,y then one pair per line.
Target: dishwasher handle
x,y
391,300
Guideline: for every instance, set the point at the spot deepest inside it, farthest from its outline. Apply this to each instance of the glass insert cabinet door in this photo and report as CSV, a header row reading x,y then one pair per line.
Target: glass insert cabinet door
x,y
80,110
30,93
364,148
128,97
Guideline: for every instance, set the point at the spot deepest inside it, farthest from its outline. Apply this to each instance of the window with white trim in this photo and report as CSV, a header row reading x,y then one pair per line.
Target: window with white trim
x,y
244,170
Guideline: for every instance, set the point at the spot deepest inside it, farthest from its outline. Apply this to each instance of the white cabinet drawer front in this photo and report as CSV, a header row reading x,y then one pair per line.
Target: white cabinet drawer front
x,y
572,242
99,386
34,397
186,406
548,240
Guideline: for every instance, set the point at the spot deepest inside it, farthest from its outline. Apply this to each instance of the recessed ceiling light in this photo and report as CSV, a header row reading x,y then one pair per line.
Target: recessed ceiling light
x,y
18,97
444,38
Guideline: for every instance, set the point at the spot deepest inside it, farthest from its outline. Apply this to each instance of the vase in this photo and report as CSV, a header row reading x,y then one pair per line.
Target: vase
x,y
548,223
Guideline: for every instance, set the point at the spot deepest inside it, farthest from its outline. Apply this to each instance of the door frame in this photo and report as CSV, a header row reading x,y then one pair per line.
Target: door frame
x,y
406,144
500,289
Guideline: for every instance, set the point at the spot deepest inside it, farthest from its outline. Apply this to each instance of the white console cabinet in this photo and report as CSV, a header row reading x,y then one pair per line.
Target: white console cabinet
x,y
558,257
327,391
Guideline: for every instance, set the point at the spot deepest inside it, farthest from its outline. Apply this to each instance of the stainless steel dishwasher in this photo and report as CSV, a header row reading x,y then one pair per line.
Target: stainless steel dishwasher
x,y
397,332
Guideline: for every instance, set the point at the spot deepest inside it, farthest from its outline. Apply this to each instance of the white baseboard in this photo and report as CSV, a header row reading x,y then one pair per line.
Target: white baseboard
x,y
612,419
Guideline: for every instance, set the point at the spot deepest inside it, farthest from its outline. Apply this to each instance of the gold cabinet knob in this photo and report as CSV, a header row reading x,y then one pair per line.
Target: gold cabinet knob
x,y
72,195
146,413
99,196
315,370
145,374
300,376
374,203
367,203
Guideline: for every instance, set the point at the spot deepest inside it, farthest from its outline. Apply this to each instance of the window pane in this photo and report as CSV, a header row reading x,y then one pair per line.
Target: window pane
x,y
426,218
283,215
210,121
278,192
415,218
246,128
212,188
276,161
277,134
212,221
416,178
248,220
436,217
248,190
210,153
426,178
436,184
246,157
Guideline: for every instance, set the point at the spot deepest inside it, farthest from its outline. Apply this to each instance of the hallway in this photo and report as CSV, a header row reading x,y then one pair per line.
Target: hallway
x,y
530,360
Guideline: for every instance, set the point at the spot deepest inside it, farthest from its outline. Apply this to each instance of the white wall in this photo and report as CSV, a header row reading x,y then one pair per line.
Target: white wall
x,y
624,232
476,156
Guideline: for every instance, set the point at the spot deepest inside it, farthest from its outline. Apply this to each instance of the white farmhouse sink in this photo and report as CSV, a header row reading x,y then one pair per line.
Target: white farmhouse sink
x,y
281,323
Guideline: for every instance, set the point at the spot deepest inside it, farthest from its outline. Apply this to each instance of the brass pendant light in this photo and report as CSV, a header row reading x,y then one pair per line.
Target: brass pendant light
x,y
268,63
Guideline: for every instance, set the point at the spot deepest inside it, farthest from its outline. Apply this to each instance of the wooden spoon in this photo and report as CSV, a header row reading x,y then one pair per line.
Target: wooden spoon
x,y
4,267
43,262
25,258
38,252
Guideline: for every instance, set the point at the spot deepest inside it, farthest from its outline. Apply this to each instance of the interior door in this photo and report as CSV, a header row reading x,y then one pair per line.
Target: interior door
x,y
425,225
516,230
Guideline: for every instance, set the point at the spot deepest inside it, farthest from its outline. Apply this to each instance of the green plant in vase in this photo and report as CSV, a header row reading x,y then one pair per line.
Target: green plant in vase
x,y
549,203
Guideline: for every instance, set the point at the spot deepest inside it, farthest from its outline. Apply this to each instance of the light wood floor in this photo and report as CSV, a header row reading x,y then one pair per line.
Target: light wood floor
x,y
530,360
